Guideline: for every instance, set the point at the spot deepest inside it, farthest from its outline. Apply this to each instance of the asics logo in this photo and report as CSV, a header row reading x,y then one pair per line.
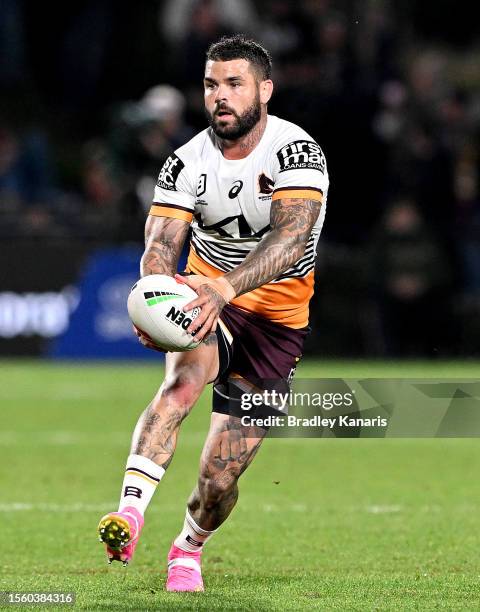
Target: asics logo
x,y
235,190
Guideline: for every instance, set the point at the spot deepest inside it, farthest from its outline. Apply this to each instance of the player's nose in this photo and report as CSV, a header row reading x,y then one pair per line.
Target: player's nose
x,y
221,94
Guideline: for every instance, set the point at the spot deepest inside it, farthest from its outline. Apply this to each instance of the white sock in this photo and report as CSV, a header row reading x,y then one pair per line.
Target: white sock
x,y
192,537
141,479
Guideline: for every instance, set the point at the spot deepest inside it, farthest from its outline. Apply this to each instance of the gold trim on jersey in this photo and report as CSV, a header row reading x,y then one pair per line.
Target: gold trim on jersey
x,y
285,302
171,210
306,193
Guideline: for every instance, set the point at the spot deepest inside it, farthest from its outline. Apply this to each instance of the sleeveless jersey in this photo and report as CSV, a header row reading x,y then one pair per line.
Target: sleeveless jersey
x,y
228,204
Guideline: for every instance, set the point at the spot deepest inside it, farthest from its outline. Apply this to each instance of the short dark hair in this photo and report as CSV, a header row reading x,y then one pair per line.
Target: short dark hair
x,y
239,46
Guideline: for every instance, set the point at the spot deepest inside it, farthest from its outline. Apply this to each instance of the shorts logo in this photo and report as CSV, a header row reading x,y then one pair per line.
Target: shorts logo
x,y
301,154
291,374
169,173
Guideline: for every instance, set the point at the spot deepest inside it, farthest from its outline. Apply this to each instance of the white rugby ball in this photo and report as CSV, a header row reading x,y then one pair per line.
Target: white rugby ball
x,y
155,306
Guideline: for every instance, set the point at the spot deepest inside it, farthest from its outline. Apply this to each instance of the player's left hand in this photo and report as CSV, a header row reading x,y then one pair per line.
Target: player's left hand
x,y
213,294
145,339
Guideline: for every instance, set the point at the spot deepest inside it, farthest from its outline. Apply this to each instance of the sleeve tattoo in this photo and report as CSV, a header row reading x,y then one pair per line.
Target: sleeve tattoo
x,y
164,238
291,222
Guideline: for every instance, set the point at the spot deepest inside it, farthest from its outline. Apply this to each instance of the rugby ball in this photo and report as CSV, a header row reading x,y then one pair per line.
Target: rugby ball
x,y
155,306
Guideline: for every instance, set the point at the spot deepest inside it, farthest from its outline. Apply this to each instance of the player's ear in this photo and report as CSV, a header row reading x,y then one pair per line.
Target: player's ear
x,y
266,90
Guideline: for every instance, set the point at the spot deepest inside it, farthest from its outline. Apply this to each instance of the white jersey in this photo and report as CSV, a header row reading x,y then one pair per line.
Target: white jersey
x,y
228,203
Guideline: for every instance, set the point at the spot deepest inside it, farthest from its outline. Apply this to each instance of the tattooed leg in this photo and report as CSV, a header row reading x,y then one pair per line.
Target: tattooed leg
x,y
228,451
155,435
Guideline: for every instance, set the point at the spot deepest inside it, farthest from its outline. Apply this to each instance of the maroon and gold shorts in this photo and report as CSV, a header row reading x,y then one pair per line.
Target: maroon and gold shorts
x,y
255,355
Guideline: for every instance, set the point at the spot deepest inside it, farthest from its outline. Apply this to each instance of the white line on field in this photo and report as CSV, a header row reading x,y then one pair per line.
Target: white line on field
x,y
60,393
373,509
267,508
47,507
76,438
376,509
60,437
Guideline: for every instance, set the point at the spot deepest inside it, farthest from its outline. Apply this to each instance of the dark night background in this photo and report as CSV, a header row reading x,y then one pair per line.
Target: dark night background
x,y
389,89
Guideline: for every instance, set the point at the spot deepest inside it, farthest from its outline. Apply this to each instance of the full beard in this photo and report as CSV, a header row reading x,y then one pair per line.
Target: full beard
x,y
242,125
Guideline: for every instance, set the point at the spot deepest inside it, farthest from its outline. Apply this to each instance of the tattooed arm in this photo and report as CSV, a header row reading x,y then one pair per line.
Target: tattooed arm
x,y
164,238
291,222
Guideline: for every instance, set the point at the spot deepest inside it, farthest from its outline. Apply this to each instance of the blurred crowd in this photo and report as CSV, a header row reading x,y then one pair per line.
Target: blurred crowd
x,y
96,94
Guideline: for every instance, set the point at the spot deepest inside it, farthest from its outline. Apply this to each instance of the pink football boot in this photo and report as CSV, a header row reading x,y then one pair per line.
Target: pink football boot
x,y
184,572
119,532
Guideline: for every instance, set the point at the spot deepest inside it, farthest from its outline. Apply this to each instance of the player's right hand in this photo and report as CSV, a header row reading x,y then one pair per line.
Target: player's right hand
x,y
145,339
212,295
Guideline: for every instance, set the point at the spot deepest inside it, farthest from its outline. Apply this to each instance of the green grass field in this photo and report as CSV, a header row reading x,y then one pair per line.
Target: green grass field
x,y
379,524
